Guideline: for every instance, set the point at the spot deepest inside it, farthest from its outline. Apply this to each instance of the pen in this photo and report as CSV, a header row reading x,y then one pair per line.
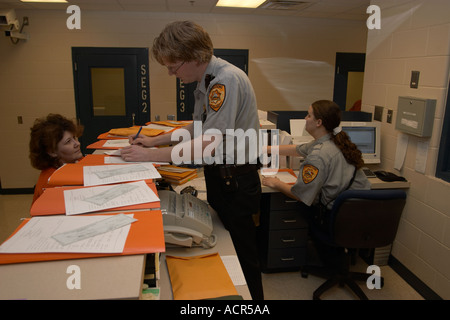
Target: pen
x,y
137,134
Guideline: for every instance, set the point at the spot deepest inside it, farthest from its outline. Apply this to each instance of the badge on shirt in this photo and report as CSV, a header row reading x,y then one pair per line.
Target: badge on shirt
x,y
217,96
309,173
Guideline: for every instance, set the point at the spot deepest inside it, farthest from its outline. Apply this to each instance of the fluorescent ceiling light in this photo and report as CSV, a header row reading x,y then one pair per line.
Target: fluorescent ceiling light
x,y
240,3
45,1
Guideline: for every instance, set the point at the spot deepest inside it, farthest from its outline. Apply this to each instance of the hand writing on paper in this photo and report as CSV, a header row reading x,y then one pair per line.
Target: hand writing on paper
x,y
135,153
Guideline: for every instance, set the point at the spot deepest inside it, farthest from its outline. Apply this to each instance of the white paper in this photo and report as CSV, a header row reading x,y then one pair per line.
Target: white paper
x,y
116,160
108,174
234,270
113,152
94,229
116,143
84,200
36,236
158,127
298,127
422,155
400,153
284,176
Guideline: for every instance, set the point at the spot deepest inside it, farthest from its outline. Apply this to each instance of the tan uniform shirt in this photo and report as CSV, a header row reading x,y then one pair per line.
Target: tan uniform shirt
x,y
325,171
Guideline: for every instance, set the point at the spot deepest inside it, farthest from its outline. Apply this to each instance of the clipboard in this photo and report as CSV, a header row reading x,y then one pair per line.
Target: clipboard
x,y
146,236
51,202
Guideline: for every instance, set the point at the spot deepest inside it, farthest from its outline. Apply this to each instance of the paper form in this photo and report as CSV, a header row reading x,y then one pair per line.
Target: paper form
x,y
109,174
422,155
99,227
234,270
115,160
117,143
158,127
284,176
36,236
400,152
78,201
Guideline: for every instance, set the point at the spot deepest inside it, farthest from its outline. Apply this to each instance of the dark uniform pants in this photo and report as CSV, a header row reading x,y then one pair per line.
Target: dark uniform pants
x,y
236,196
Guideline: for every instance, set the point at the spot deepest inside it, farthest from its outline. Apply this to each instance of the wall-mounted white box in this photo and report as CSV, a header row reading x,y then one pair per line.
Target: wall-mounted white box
x,y
415,116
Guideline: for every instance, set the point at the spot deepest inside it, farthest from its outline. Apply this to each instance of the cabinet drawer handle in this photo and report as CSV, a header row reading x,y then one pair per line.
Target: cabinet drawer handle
x,y
288,240
290,201
287,259
290,221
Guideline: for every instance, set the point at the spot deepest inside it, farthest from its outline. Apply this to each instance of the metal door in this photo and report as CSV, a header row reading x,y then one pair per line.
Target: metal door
x,y
111,89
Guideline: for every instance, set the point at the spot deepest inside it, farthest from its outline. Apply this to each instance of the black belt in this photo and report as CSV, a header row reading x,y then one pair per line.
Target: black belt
x,y
227,170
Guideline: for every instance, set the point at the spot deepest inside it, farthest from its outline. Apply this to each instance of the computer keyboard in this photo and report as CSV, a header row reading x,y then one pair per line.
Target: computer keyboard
x,y
369,173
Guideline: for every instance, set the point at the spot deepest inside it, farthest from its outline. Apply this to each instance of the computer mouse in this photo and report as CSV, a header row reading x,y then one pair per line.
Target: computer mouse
x,y
382,173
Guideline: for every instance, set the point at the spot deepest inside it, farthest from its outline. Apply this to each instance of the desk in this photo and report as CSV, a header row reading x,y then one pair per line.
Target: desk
x,y
224,244
376,183
118,277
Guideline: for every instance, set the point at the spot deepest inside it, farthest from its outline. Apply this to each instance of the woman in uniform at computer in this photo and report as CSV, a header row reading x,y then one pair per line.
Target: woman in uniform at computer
x,y
332,162
53,142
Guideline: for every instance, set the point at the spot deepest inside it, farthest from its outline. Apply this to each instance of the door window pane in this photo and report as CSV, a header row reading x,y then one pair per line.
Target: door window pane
x,y
108,91
354,89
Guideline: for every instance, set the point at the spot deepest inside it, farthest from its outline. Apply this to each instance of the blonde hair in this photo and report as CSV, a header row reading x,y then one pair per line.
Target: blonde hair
x,y
183,41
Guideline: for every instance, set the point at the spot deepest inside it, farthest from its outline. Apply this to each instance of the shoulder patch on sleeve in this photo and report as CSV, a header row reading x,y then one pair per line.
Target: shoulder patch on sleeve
x,y
217,96
309,173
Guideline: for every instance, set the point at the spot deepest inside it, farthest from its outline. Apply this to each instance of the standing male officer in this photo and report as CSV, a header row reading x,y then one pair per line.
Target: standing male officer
x,y
224,99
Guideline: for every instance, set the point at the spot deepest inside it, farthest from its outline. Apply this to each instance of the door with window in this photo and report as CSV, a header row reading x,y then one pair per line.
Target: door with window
x,y
111,89
185,92
348,80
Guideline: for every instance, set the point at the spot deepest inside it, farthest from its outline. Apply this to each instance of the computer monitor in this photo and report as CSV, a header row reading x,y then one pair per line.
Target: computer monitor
x,y
366,136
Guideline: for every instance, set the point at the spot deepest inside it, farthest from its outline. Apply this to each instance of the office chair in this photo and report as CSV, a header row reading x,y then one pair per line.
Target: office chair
x,y
359,219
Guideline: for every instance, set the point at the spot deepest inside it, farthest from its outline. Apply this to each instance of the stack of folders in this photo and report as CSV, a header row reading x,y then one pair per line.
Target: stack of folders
x,y
177,175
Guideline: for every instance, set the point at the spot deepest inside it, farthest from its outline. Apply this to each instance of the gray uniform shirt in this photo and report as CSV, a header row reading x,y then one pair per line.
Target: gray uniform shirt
x,y
325,171
229,102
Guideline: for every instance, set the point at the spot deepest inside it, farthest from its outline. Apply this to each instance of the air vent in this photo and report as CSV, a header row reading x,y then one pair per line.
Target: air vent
x,y
285,5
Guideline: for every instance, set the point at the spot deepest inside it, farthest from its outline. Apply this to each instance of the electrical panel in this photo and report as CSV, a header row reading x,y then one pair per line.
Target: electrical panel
x,y
415,116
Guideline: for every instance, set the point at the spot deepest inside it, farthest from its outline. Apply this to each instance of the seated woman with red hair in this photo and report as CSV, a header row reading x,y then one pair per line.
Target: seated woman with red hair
x,y
53,142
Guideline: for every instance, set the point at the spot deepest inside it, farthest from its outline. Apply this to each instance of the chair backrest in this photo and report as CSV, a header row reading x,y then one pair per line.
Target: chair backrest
x,y
366,218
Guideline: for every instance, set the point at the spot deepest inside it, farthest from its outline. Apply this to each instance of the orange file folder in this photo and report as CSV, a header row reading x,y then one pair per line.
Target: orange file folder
x,y
71,174
146,236
93,159
51,202
125,132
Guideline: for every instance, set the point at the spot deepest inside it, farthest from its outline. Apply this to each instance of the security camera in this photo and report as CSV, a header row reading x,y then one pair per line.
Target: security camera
x,y
8,18
17,35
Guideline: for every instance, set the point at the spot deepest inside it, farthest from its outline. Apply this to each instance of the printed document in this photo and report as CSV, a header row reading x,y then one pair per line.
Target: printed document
x,y
37,236
109,174
84,200
117,143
